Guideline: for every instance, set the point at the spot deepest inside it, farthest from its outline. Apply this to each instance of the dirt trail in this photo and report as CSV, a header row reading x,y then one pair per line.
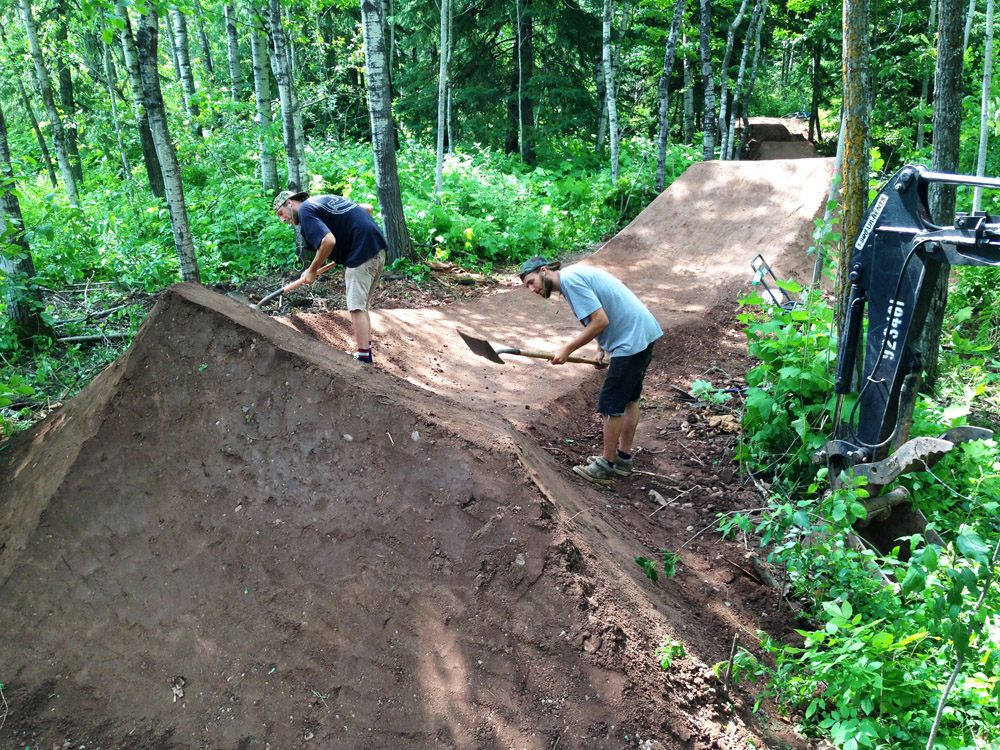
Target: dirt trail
x,y
239,537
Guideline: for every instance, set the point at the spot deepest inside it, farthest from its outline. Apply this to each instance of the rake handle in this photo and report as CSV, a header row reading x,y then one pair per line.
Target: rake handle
x,y
291,285
549,355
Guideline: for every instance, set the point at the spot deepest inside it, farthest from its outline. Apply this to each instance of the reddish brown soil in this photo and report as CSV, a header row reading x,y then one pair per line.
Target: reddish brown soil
x,y
239,537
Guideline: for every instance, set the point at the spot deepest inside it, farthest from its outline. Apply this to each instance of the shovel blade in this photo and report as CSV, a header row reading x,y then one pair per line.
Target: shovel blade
x,y
481,347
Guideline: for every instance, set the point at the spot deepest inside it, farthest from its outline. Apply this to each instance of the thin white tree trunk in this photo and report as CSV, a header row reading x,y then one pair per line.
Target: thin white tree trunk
x,y
708,80
383,131
147,44
206,48
289,101
187,77
44,81
724,82
154,172
262,95
984,112
609,85
109,73
688,99
663,134
445,51
755,20
968,24
753,74
233,52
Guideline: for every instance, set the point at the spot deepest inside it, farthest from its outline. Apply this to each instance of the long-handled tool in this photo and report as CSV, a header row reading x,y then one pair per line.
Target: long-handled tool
x,y
483,348
289,287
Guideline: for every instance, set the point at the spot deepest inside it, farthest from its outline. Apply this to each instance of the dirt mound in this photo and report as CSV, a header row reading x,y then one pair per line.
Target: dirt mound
x,y
237,536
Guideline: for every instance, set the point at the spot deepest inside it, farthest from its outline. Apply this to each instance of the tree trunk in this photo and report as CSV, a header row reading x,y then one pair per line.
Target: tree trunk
x,y
602,109
206,48
383,132
154,172
609,87
187,76
856,133
147,47
817,87
968,25
30,110
688,98
44,84
947,127
756,20
109,74
68,101
663,134
281,66
262,94
708,80
233,52
984,111
525,76
925,79
24,302
724,82
444,55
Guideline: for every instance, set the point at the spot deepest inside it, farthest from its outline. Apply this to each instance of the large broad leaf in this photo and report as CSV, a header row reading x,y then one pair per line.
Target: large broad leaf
x,y
971,545
915,580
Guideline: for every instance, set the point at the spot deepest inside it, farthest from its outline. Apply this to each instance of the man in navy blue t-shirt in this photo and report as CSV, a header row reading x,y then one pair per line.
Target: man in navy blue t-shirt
x,y
344,232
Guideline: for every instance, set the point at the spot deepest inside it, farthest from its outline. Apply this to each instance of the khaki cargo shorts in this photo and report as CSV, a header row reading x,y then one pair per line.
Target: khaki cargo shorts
x,y
361,282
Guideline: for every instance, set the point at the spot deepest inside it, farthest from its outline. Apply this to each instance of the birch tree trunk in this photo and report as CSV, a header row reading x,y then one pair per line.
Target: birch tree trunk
x,y
109,74
856,134
24,301
44,84
724,82
984,111
968,25
688,97
184,66
281,66
945,146
154,172
602,108
444,55
755,22
925,79
708,80
147,47
383,132
233,52
206,48
262,95
64,74
663,134
609,87
752,79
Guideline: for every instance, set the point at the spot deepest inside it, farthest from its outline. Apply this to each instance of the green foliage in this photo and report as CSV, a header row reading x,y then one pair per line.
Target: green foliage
x,y
669,565
790,400
872,664
667,652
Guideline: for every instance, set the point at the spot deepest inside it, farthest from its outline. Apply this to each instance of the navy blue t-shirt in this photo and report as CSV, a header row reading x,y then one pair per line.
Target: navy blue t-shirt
x,y
358,236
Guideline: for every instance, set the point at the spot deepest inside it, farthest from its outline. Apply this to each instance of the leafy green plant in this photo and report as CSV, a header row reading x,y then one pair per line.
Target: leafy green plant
x,y
669,564
704,390
667,652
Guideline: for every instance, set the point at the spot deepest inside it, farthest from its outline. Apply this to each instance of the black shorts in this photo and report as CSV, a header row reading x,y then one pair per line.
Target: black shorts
x,y
623,383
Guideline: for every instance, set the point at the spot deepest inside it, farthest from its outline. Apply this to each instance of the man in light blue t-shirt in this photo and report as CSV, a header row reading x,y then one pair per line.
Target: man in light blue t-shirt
x,y
625,332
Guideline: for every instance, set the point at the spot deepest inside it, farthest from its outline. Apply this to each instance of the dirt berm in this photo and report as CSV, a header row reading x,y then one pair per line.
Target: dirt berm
x,y
239,537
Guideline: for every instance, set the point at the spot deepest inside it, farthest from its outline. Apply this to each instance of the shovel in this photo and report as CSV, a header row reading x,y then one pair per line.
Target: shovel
x,y
289,287
483,348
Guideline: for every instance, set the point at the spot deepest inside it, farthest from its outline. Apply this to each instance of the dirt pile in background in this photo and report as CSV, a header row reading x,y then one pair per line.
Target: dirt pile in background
x,y
239,537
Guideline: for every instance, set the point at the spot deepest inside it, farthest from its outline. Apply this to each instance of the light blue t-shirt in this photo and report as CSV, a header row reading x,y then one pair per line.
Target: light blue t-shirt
x,y
631,327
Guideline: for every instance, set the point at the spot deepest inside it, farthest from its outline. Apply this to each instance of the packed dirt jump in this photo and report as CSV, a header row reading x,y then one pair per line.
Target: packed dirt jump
x,y
239,537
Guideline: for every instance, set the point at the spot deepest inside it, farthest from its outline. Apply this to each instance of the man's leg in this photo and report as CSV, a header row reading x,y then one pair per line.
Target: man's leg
x,y
362,323
613,427
630,421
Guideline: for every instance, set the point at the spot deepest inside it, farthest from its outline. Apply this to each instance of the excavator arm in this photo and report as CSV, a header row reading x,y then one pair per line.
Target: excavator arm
x,y
897,258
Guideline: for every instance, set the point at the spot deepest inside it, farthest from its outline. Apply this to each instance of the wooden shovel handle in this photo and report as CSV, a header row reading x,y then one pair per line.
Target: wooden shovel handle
x,y
299,282
549,355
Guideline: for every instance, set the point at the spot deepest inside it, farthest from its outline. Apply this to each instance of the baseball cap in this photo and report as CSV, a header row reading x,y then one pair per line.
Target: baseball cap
x,y
287,195
533,264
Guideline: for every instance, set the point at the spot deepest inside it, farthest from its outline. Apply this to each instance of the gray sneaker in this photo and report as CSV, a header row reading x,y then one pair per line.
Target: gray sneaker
x,y
623,466
598,471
